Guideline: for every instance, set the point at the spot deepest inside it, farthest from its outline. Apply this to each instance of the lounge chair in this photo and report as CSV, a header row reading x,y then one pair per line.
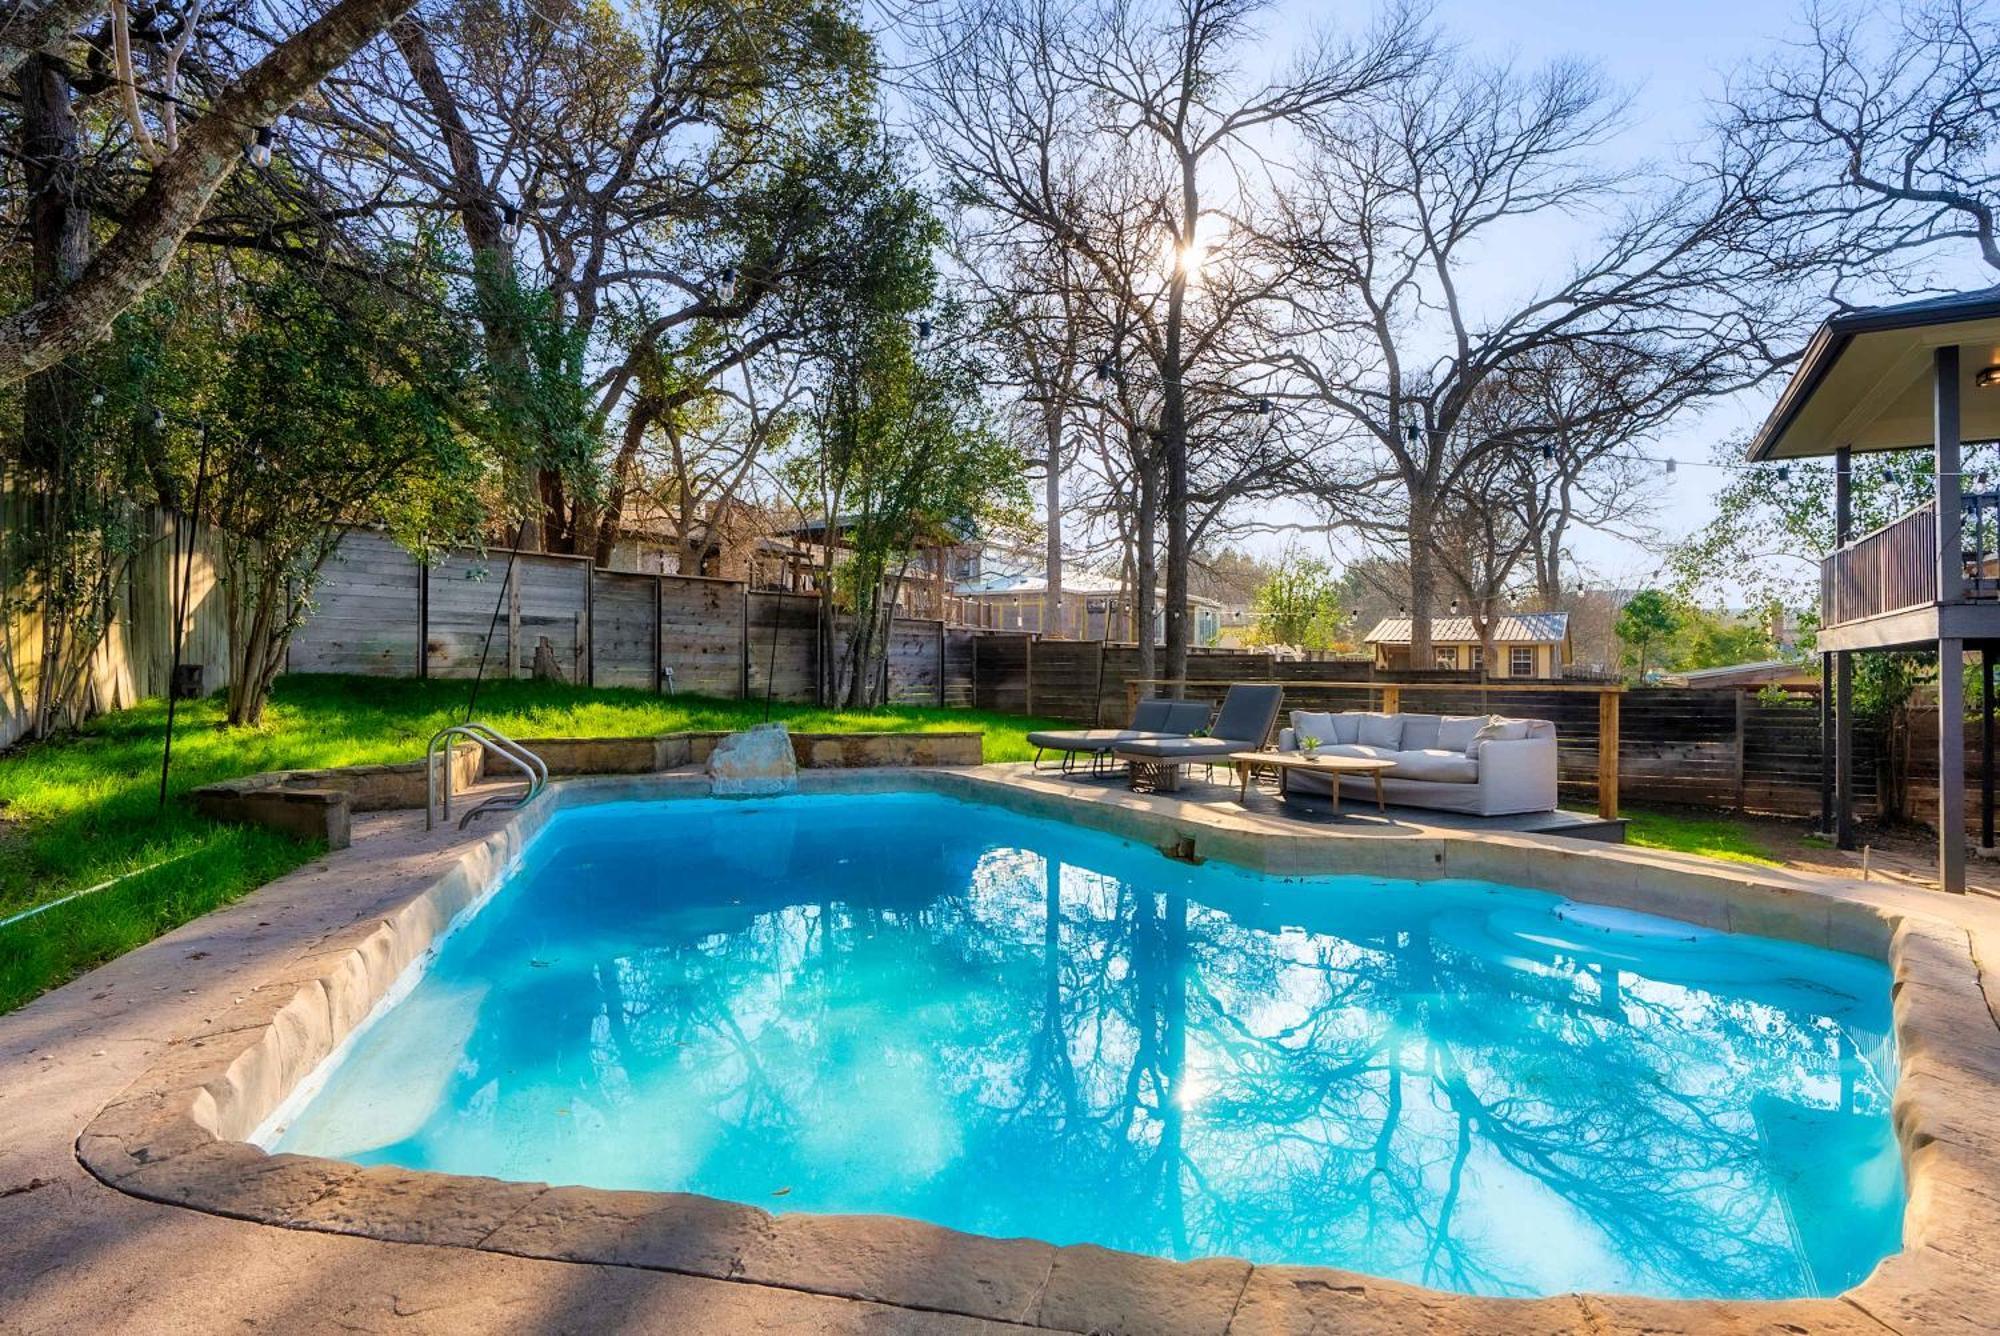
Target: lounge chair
x,y
1242,724
1152,720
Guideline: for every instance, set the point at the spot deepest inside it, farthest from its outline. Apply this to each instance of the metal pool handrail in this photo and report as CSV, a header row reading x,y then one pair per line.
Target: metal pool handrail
x,y
492,740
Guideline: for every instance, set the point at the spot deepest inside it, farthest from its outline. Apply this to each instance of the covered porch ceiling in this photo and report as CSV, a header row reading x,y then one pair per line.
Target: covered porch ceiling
x,y
1865,380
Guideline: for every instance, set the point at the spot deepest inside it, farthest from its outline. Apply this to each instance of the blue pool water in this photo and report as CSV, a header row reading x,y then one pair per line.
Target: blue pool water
x,y
900,1003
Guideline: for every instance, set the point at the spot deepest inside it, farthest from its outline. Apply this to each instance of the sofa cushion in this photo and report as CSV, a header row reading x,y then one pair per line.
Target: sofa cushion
x,y
1420,731
1313,724
1381,730
1346,727
1456,731
1437,765
1361,750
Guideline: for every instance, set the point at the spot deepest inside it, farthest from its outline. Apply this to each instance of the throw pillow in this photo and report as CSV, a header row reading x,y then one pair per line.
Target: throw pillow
x,y
1497,729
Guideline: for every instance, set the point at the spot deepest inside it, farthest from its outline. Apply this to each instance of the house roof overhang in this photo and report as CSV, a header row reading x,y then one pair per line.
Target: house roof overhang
x,y
1865,381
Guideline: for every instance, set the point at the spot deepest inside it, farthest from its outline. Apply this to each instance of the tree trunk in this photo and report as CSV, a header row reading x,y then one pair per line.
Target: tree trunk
x,y
1147,603
52,399
1423,581
1053,559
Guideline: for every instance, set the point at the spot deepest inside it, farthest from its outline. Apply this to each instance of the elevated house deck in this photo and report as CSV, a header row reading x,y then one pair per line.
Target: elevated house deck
x,y
1917,375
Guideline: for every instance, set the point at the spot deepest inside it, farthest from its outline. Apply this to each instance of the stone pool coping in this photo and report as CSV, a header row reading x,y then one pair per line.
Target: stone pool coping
x,y
177,1135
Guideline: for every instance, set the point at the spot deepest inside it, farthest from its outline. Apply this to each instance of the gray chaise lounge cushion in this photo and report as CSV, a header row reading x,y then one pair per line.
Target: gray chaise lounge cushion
x,y
1242,724
1155,718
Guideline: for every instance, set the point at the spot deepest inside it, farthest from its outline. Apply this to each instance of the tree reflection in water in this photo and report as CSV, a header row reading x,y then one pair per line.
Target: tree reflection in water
x,y
907,1005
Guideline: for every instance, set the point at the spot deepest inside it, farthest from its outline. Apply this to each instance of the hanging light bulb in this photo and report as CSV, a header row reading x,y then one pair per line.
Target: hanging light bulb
x,y
258,150
1784,472
510,223
1454,607
923,329
159,420
1104,367
1888,475
1262,408
1548,453
1670,468
726,281
97,398
1412,432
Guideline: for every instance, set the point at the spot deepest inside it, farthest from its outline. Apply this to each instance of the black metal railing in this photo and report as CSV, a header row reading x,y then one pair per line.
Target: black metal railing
x,y
1895,567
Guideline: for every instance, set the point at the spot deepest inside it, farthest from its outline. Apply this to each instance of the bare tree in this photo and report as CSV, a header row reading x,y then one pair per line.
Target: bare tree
x,y
1403,197
1875,133
1124,133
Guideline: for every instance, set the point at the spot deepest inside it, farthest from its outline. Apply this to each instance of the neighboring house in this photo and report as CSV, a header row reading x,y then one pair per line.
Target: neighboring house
x,y
1525,644
796,558
1785,673
649,541
1094,608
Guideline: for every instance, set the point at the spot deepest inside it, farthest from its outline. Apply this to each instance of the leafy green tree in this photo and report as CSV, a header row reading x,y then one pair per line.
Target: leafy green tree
x,y
1648,618
319,400
1299,604
897,443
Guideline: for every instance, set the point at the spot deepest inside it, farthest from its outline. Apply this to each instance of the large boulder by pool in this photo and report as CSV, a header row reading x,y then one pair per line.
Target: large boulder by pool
x,y
752,763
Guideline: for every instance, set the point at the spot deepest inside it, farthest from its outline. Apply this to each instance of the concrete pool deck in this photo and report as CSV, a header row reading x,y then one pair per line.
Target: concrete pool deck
x,y
137,1068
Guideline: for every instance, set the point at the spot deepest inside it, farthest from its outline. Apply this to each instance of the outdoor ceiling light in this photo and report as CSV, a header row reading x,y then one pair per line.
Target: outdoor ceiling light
x,y
1988,377
258,150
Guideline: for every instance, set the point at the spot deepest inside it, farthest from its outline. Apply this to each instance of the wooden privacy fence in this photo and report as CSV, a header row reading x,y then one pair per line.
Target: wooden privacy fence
x,y
136,655
380,611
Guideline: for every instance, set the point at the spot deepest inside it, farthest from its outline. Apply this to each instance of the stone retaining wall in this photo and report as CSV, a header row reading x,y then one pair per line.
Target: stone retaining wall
x,y
319,804
179,1133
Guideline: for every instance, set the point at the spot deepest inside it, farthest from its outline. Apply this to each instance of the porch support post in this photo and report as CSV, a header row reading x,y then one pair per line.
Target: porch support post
x,y
1951,765
1843,750
1986,746
1836,676
1951,652
1826,745
1950,520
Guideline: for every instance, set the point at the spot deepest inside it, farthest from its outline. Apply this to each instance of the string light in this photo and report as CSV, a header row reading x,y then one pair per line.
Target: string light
x,y
258,150
510,223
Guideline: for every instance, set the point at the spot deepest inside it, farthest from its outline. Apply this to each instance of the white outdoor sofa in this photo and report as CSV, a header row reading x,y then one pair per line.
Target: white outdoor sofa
x,y
1483,765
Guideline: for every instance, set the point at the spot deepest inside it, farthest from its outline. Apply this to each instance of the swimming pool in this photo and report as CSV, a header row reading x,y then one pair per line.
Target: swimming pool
x,y
907,1004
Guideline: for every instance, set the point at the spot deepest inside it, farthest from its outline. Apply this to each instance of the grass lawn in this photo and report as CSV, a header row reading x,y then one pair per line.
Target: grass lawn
x,y
82,811
1710,836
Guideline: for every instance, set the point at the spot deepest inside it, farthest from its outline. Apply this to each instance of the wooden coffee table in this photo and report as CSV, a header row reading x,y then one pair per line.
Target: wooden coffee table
x,y
1248,763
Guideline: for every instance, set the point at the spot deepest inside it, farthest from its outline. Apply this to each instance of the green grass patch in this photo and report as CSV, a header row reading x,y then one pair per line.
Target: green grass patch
x,y
1709,836
84,810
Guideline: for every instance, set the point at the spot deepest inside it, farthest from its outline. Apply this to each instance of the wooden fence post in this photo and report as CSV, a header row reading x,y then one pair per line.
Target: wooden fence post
x,y
590,625
1607,754
1097,696
1742,719
514,618
743,690
1028,673
423,622
659,632
940,663
1392,698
